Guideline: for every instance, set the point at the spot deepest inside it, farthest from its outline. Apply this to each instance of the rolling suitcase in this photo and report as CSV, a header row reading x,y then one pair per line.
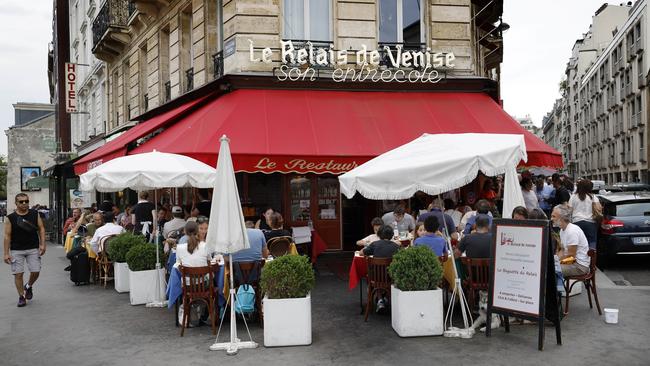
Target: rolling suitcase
x,y
79,266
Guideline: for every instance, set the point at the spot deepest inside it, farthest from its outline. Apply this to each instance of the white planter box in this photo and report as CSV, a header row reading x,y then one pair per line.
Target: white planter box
x,y
287,322
121,273
143,286
417,313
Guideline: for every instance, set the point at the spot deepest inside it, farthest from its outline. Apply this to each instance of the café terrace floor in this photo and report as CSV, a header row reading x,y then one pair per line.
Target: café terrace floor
x,y
88,325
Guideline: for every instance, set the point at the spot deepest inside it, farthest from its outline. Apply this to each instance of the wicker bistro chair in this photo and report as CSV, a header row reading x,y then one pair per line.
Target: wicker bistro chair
x,y
378,280
198,286
589,281
279,246
478,278
104,263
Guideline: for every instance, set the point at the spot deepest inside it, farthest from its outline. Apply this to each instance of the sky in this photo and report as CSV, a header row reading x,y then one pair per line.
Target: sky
x,y
536,49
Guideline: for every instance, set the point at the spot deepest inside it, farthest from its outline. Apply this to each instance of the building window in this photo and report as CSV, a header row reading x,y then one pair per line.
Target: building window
x,y
163,49
400,21
307,20
187,50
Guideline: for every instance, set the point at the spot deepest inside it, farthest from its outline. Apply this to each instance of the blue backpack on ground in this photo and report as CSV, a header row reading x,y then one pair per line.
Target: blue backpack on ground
x,y
245,299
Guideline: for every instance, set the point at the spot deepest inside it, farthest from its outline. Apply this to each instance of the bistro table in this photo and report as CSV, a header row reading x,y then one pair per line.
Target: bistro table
x,y
358,271
318,245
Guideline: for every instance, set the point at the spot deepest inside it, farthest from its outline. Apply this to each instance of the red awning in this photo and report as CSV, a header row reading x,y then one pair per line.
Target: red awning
x,y
332,131
117,147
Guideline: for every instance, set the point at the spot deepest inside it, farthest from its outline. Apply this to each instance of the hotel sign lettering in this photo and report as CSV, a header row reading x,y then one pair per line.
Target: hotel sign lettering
x,y
381,65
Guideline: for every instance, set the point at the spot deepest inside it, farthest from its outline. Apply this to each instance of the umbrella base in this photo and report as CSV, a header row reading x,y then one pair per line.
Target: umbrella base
x,y
232,348
157,304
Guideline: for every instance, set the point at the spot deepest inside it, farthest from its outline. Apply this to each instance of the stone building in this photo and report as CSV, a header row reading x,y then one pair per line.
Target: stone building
x,y
31,146
603,132
552,123
527,123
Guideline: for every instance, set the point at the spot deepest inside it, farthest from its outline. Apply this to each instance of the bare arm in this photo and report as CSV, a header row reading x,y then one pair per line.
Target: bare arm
x,y
265,251
7,254
41,234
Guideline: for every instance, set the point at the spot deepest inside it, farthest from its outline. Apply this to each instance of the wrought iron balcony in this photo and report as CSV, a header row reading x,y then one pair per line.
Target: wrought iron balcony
x,y
217,59
189,74
168,91
110,32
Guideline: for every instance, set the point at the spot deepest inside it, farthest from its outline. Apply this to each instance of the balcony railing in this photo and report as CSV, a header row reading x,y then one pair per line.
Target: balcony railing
x,y
189,79
110,32
168,91
217,60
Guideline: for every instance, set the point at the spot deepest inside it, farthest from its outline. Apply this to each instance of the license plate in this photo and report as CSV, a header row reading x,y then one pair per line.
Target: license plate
x,y
642,240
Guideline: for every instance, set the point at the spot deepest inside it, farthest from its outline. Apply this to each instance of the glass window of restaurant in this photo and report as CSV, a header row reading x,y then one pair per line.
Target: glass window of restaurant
x,y
307,20
400,21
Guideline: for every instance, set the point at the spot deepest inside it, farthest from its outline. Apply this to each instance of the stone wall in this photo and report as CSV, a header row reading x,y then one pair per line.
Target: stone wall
x,y
26,149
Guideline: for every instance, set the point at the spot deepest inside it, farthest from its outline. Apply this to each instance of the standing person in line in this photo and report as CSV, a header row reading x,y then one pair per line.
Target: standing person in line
x,y
562,195
530,198
583,204
24,242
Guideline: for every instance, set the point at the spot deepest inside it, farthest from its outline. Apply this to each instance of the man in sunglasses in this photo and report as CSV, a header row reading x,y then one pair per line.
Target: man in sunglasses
x,y
24,242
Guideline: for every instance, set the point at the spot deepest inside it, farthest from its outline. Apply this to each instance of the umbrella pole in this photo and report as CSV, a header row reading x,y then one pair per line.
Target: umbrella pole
x,y
235,343
157,302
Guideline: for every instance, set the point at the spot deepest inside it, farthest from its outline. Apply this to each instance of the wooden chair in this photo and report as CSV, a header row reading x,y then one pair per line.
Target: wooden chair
x,y
478,278
589,281
247,269
378,281
198,286
104,263
444,285
279,246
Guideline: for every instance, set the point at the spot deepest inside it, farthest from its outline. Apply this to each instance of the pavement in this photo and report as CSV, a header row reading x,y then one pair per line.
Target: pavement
x,y
89,325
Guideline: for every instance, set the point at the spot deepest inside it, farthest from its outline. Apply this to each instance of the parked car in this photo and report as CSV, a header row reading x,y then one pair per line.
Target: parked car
x,y
625,228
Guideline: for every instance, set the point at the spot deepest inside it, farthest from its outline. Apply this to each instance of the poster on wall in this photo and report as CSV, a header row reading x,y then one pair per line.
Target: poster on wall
x,y
27,173
79,199
518,253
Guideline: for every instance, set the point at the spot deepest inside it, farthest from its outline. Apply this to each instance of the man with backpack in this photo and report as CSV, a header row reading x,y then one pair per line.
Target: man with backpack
x,y
24,242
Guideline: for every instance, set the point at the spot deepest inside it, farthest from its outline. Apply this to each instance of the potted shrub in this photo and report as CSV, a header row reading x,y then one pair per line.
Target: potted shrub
x,y
416,300
286,283
117,249
141,259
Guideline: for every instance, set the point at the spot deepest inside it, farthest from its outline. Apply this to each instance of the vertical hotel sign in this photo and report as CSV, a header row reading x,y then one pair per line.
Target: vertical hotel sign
x,y
70,87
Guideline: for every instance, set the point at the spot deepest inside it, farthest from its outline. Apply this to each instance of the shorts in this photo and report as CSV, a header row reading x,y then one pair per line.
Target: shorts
x,y
33,258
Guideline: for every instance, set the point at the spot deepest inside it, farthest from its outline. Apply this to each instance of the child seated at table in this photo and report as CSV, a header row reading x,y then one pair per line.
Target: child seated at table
x,y
376,223
430,239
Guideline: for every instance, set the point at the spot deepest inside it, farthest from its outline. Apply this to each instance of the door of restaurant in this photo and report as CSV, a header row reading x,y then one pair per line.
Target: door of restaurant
x,y
316,198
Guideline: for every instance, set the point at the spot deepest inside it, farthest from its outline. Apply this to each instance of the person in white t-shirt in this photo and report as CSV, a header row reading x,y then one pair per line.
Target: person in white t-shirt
x,y
109,228
376,224
530,197
177,223
582,203
194,253
573,243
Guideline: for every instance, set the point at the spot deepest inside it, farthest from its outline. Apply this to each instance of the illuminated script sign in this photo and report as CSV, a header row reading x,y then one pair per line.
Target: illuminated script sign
x,y
384,65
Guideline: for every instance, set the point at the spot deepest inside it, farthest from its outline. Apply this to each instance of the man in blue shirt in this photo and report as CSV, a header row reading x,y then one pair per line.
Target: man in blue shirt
x,y
256,252
443,218
543,192
482,209
436,243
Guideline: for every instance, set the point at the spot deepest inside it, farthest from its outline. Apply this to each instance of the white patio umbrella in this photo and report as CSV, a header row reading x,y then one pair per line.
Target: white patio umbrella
x,y
149,171
436,164
227,234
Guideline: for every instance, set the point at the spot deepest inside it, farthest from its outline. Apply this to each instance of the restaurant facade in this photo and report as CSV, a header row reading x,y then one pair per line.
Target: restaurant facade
x,y
305,90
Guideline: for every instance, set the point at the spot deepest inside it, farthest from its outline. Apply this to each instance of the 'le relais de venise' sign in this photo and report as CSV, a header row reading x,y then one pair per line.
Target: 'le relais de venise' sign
x,y
414,66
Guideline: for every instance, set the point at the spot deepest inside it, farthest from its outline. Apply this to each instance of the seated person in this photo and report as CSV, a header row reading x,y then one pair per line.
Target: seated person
x,y
399,219
477,244
177,223
256,252
109,228
482,209
376,224
573,241
194,253
277,229
384,247
96,221
520,213
436,243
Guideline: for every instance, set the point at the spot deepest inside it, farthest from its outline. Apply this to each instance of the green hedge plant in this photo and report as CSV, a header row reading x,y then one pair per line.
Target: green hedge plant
x,y
286,277
415,269
120,245
141,257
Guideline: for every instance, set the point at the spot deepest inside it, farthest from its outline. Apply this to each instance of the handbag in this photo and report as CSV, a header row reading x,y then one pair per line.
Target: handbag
x,y
596,211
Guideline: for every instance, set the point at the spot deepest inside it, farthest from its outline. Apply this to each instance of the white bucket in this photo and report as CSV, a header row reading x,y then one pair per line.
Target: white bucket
x,y
611,316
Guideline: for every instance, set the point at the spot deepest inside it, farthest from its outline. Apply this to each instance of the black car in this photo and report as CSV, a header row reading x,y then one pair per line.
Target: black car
x,y
625,228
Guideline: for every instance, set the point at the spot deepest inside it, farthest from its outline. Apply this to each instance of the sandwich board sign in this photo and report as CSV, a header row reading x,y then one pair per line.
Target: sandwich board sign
x,y
520,258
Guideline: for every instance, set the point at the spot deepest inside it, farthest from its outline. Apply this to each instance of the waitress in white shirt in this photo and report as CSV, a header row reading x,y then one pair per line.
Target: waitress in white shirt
x,y
193,253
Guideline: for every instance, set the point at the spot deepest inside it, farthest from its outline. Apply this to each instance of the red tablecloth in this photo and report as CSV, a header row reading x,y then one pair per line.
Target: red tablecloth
x,y
317,246
358,270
